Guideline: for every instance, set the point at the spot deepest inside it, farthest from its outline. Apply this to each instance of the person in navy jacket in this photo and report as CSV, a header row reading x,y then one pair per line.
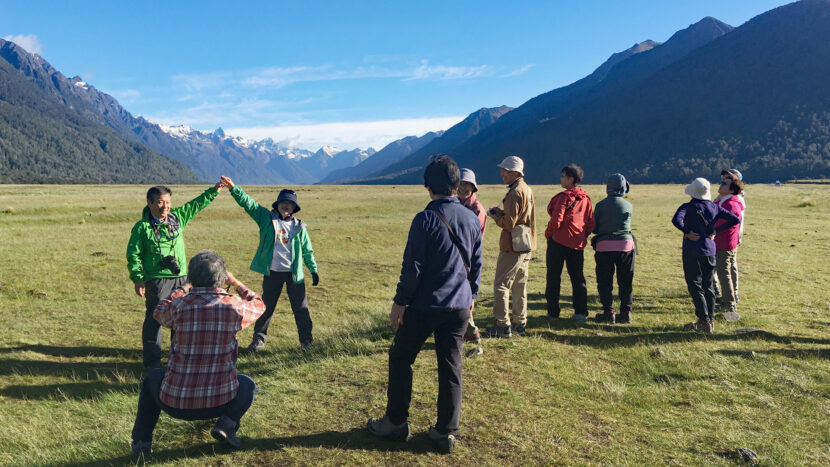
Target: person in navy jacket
x,y
440,278
696,219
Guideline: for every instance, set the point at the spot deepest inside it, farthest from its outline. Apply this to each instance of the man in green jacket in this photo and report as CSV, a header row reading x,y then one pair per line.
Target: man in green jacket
x,y
156,257
284,247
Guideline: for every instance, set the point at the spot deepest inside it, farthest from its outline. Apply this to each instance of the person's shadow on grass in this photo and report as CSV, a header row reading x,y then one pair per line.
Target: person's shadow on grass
x,y
355,439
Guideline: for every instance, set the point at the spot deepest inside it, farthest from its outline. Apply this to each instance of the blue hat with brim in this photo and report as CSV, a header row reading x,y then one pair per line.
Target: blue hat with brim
x,y
287,195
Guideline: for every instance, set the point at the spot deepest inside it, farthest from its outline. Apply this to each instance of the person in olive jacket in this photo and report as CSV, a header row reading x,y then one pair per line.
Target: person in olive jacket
x,y
156,257
284,247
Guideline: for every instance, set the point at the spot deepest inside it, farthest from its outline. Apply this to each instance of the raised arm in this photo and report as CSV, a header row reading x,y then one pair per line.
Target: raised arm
x,y
165,312
187,211
257,212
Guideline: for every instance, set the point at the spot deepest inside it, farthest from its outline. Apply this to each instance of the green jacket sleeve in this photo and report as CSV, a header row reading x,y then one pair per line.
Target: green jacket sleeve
x,y
134,255
187,211
308,251
258,213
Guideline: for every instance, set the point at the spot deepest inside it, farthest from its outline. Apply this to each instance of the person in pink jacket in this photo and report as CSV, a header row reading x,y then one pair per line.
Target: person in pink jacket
x,y
726,244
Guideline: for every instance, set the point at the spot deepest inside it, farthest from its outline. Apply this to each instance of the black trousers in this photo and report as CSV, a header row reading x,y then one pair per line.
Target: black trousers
x,y
271,290
700,279
623,263
155,290
447,326
557,256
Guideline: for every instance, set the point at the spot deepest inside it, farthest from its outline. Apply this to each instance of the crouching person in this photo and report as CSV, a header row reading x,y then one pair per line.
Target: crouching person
x,y
200,381
439,280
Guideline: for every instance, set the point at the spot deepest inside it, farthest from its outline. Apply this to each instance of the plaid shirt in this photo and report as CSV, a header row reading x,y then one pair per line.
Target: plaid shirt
x,y
201,368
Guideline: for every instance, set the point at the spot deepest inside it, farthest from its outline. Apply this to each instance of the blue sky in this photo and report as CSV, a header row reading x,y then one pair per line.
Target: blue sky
x,y
346,73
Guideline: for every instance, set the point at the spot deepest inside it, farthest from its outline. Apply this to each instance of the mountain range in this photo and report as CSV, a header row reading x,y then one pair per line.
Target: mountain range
x,y
755,97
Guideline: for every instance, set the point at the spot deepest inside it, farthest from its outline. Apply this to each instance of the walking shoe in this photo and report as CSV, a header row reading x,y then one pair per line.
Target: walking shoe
x,y
474,352
444,443
142,451
225,431
579,318
623,317
520,329
384,428
256,345
307,346
474,338
498,331
553,317
607,317
704,326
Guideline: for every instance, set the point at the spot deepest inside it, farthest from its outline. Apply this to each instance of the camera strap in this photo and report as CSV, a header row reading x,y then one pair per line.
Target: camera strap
x,y
172,231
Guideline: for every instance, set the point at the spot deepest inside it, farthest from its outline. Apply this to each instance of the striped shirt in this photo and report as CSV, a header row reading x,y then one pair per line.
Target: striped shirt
x,y
201,368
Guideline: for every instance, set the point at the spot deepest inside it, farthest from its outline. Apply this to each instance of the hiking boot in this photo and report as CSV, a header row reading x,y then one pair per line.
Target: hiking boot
x,y
444,443
623,317
553,316
142,451
307,346
255,346
473,338
225,431
606,317
384,428
704,326
498,331
579,319
520,329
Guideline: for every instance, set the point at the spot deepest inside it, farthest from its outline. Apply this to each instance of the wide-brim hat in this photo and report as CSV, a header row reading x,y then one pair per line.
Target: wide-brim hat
x,y
469,176
287,195
699,189
514,164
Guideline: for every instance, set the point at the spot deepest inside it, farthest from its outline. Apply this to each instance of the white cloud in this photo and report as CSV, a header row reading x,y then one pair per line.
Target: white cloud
x,y
518,71
347,135
277,77
442,72
29,42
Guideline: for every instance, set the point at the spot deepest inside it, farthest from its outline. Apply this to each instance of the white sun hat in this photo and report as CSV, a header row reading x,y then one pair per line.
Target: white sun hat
x,y
699,189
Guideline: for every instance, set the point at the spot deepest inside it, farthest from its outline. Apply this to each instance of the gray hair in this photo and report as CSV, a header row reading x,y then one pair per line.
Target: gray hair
x,y
206,269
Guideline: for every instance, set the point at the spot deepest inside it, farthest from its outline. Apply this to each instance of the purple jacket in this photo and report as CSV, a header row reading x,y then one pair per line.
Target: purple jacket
x,y
700,216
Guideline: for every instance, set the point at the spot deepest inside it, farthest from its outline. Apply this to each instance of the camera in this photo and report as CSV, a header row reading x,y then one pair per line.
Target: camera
x,y
169,262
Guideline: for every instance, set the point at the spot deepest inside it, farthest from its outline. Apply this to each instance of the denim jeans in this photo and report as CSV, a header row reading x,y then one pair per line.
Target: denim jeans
x,y
155,291
271,290
448,328
150,405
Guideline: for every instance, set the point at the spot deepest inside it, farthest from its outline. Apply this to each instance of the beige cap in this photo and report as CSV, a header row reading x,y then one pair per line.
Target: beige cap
x,y
513,163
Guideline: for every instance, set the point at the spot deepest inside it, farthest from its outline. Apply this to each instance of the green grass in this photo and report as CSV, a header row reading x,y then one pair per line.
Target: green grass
x,y
645,393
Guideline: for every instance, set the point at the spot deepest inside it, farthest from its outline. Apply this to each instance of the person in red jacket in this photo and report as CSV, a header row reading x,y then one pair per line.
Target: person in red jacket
x,y
571,221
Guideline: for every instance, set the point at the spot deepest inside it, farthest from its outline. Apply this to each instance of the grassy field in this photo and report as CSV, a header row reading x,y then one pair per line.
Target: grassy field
x,y
644,393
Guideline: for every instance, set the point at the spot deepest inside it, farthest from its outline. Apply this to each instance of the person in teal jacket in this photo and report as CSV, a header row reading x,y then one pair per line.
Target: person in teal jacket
x,y
156,257
284,247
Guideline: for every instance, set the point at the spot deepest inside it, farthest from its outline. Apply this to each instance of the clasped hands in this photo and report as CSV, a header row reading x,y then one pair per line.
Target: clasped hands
x,y
693,236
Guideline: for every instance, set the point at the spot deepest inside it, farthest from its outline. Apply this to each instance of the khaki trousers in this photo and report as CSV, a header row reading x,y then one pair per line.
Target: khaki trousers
x,y
511,277
726,265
